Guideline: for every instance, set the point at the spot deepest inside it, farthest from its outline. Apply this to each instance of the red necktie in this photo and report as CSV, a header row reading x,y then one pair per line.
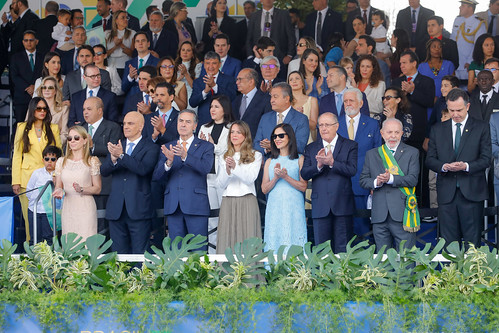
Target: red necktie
x,y
409,79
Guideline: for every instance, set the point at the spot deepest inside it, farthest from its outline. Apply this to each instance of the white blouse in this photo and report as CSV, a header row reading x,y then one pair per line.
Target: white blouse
x,y
241,180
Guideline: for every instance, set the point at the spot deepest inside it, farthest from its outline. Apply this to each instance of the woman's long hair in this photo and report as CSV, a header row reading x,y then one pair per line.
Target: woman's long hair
x,y
173,80
403,43
376,75
114,29
46,60
226,106
58,93
304,57
404,104
478,55
31,120
86,148
428,47
192,63
292,147
247,154
302,81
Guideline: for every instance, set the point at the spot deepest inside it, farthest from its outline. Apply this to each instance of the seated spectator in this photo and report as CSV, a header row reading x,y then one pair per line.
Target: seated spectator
x,y
119,41
485,48
163,41
303,44
100,59
370,81
51,67
315,84
142,100
264,47
307,105
230,66
348,64
180,25
167,69
396,105
359,26
188,66
269,69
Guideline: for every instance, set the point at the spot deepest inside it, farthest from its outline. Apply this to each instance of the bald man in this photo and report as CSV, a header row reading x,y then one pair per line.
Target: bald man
x,y
131,162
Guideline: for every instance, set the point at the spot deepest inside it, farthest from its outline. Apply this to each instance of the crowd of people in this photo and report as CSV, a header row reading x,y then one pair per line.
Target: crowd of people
x,y
267,107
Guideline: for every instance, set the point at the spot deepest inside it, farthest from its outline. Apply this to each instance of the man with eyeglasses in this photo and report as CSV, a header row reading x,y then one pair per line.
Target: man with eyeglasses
x,y
142,101
391,172
330,162
484,100
492,65
269,67
24,71
92,76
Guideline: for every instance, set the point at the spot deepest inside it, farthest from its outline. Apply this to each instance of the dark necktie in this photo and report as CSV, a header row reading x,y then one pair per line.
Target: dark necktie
x,y
31,62
365,16
154,40
457,139
491,25
484,104
413,34
104,24
319,29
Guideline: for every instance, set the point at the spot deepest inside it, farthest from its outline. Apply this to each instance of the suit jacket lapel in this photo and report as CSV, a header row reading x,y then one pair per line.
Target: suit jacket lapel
x,y
464,137
194,145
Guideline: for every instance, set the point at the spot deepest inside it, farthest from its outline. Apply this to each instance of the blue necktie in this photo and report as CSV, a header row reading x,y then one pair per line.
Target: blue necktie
x,y
130,148
339,103
147,99
91,93
141,63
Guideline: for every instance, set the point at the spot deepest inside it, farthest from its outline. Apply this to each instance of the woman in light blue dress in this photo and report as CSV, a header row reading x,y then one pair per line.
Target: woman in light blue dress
x,y
285,222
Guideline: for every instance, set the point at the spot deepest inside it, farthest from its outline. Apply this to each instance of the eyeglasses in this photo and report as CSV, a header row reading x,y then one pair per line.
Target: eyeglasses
x,y
151,91
268,66
280,136
93,77
28,40
388,98
41,108
76,137
491,69
99,53
301,44
47,87
167,66
241,78
327,125
52,159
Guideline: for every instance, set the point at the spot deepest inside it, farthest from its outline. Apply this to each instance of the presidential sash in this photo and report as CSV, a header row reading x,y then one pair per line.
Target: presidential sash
x,y
411,213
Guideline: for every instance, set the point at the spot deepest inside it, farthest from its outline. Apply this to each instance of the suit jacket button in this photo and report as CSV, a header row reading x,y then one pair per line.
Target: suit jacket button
x,y
124,180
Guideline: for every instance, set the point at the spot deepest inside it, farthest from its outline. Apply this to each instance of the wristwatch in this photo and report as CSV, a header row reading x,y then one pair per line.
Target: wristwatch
x,y
121,156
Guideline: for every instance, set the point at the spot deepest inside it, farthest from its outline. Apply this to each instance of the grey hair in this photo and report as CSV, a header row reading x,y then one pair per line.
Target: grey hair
x,y
211,55
190,112
157,12
392,120
268,58
286,90
253,75
335,117
356,91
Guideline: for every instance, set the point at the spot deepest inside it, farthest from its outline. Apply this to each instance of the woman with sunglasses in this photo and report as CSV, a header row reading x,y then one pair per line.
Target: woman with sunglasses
x,y
77,178
119,40
303,44
100,60
396,105
168,70
238,169
285,222
315,82
32,136
52,94
51,67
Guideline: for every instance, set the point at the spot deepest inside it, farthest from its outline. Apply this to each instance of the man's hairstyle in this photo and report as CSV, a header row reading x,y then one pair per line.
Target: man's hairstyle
x,y
24,2
211,55
165,6
454,81
80,27
370,42
440,20
51,7
107,2
264,42
29,32
286,90
253,75
353,1
149,69
99,104
392,120
52,150
491,60
168,86
457,93
188,111
269,58
249,2
412,55
123,2
492,2
74,11
223,36
63,12
151,9
85,47
155,12
138,33
87,67
358,93
294,11
341,70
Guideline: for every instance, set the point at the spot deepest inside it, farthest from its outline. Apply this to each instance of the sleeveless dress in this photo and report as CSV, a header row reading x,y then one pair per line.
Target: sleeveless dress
x,y
307,108
285,222
79,213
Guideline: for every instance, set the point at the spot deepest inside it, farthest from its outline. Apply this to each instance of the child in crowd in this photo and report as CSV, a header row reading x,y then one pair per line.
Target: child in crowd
x,y
445,115
62,32
379,34
347,64
40,178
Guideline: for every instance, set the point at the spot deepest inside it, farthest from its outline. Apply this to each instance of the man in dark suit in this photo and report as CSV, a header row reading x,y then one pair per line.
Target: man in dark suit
x,y
133,22
413,19
142,100
242,31
162,41
14,31
255,104
92,77
213,83
331,162
230,66
69,59
459,152
161,124
333,102
276,25
129,209
75,82
104,11
183,166
149,10
24,70
365,131
263,48
435,28
101,131
389,201
280,99
484,100
321,23
269,69
44,27
365,11
420,91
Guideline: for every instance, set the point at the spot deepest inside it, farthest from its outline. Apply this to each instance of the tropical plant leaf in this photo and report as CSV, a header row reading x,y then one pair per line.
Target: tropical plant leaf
x,y
71,246
97,246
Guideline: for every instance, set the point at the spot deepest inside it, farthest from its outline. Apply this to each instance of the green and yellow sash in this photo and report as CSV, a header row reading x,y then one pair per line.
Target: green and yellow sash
x,y
411,213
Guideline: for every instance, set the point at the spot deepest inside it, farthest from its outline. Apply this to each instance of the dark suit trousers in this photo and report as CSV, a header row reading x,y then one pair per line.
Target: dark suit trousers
x,y
129,236
158,224
180,224
461,218
361,225
338,229
20,111
391,233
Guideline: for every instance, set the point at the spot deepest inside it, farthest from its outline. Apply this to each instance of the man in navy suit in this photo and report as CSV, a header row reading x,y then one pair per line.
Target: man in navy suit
x,y
141,101
280,99
133,22
337,82
129,83
45,26
129,209
92,77
269,68
321,23
213,83
104,11
69,59
331,162
230,66
14,31
365,131
162,41
414,19
184,166
251,104
161,125
24,71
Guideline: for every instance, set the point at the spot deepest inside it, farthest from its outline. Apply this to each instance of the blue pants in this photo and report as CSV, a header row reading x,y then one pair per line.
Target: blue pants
x,y
180,224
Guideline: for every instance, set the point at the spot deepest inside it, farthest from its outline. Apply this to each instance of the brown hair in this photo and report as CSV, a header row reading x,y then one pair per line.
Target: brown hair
x,y
376,75
247,154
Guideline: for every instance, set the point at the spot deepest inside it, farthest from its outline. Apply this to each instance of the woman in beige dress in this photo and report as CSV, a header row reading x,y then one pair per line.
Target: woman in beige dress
x,y
77,180
168,70
307,105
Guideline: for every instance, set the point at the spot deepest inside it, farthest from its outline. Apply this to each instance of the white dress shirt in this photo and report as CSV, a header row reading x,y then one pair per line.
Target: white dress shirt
x,y
241,180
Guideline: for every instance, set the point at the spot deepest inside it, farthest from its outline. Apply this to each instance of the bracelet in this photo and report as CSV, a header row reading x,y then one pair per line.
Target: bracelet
x,y
81,189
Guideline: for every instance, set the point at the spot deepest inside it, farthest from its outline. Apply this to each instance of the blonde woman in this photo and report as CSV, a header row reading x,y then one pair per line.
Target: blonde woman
x,y
307,105
77,178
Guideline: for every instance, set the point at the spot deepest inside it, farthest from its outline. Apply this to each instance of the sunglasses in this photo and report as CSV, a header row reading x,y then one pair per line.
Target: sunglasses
x,y
388,98
30,40
280,136
52,159
301,44
47,87
167,66
268,66
40,108
76,138
151,91
99,53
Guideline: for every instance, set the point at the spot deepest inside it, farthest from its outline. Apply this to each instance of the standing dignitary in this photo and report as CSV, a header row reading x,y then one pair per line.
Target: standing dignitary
x,y
184,165
129,211
331,162
391,172
490,16
459,152
14,31
321,23
484,101
365,11
413,19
